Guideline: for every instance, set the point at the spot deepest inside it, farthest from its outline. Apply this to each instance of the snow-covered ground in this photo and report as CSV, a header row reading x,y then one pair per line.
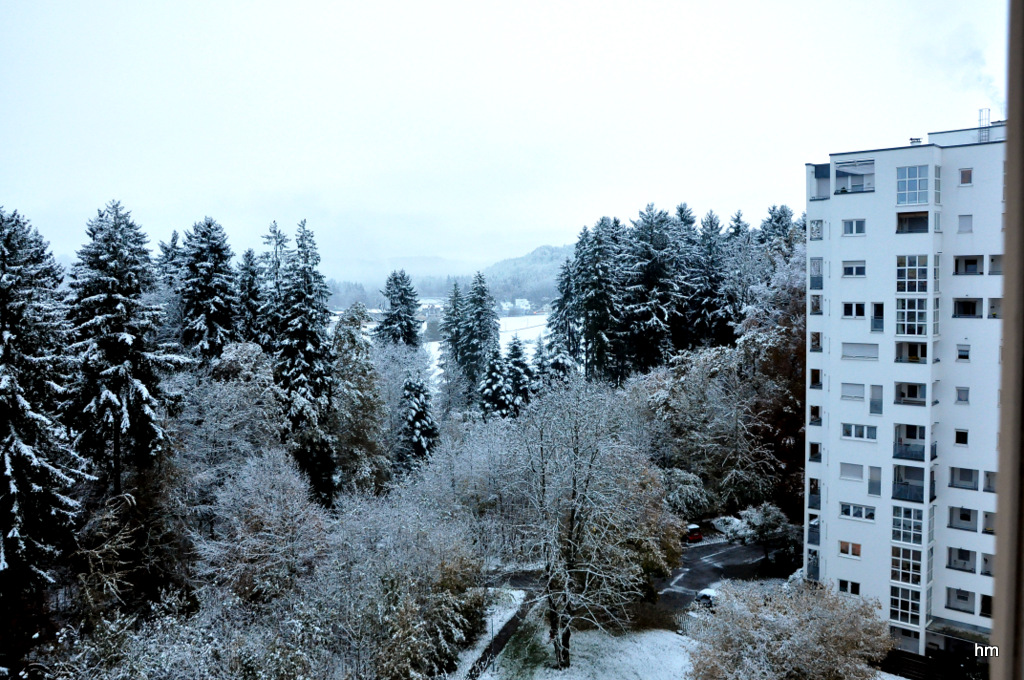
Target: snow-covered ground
x,y
528,328
504,606
646,655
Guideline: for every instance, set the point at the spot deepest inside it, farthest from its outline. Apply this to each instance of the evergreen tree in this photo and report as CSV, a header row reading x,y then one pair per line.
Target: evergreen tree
x,y
399,323
706,302
655,283
420,432
168,262
481,332
520,375
303,363
453,328
250,298
357,405
738,227
599,280
274,262
541,366
38,465
564,320
777,226
496,396
207,289
112,403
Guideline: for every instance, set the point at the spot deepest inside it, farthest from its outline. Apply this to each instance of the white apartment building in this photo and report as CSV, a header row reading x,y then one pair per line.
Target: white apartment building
x,y
904,301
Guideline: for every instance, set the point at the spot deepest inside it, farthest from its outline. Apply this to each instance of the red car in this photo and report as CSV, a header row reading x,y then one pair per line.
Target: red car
x,y
693,534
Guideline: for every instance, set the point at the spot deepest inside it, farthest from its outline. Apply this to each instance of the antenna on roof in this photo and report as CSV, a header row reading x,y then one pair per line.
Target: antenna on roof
x,y
983,123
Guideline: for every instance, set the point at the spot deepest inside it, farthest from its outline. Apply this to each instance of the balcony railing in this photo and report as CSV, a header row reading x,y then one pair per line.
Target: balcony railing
x,y
815,348
814,421
814,536
911,360
968,273
964,526
813,571
877,324
817,282
935,450
986,571
905,491
908,451
815,457
910,401
961,565
814,501
957,484
815,385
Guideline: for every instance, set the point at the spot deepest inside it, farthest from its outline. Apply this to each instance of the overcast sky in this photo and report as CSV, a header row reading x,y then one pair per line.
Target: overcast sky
x,y
406,131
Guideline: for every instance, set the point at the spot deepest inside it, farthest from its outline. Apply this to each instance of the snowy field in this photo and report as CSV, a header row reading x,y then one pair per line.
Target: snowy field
x,y
528,328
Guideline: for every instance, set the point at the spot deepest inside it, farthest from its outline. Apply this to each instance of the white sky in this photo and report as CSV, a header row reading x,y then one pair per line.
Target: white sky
x,y
406,131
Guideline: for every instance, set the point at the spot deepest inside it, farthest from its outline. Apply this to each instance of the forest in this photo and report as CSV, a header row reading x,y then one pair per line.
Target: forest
x,y
208,473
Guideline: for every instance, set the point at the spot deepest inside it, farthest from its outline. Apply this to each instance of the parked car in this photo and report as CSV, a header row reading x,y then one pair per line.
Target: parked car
x,y
693,533
706,598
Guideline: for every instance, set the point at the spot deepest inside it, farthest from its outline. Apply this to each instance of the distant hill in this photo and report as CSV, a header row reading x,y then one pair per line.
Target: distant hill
x,y
533,276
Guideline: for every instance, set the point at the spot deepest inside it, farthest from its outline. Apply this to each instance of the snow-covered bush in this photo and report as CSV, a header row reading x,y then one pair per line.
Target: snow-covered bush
x,y
758,630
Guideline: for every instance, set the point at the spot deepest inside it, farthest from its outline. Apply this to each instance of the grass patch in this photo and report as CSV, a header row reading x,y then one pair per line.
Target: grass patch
x,y
525,651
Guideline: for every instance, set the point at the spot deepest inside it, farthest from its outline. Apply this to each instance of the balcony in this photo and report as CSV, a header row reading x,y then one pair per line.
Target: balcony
x,y
995,308
963,519
910,394
815,305
963,478
968,265
995,265
817,282
967,308
814,536
908,491
912,223
986,606
989,524
814,455
990,482
987,562
961,565
813,571
814,501
855,177
960,600
908,452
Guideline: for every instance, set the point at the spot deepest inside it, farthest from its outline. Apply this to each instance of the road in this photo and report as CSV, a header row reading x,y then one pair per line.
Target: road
x,y
703,565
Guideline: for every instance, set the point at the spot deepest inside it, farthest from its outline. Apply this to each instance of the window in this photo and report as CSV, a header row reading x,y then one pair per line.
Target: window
x,y
851,431
815,379
853,310
963,352
852,391
906,565
815,304
854,268
815,273
912,185
966,176
815,415
848,549
875,406
874,481
851,587
860,350
911,316
966,224
816,230
906,524
904,605
854,511
912,222
815,452
853,227
911,273
815,341
960,437
851,471
877,317
963,395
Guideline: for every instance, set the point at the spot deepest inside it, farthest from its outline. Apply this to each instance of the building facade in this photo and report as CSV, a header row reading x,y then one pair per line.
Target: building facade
x,y
904,306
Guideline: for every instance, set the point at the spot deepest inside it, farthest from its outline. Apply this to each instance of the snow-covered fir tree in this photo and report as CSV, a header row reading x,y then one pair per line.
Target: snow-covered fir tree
x,y
564,320
520,375
599,278
481,331
399,323
358,408
738,227
777,225
495,390
37,465
420,433
303,362
168,262
273,263
655,282
250,299
705,298
454,384
208,295
111,405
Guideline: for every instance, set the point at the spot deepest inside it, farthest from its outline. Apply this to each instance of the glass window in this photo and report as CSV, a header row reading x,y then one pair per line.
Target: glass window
x,y
912,185
854,268
906,565
853,227
911,273
911,316
963,395
966,176
906,524
963,352
853,310
904,605
961,437
874,481
849,549
966,224
851,471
